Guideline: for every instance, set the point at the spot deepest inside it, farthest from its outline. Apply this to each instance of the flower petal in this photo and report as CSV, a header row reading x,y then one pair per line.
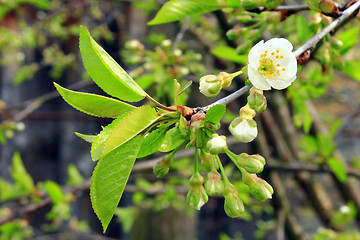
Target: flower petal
x,y
258,80
280,42
254,53
279,84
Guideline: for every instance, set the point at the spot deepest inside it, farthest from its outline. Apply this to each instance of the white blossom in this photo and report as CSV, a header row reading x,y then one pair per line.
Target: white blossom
x,y
272,64
216,144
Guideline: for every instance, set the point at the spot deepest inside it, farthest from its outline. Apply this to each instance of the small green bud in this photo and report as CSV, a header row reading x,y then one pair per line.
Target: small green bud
x,y
251,163
210,85
213,127
161,168
198,137
196,196
184,126
216,144
336,43
213,183
259,188
208,161
257,100
233,205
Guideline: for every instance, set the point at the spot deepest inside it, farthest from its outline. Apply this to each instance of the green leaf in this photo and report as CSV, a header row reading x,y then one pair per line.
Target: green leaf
x,y
351,69
110,177
106,73
20,175
349,38
338,169
135,122
54,191
172,140
97,146
93,104
177,9
230,54
74,176
145,81
152,142
85,137
215,113
303,31
189,83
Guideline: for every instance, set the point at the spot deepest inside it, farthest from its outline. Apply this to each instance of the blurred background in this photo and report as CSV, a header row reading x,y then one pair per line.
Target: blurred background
x,y
309,135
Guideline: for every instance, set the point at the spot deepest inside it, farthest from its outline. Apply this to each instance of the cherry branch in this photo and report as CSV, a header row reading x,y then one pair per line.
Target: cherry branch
x,y
298,52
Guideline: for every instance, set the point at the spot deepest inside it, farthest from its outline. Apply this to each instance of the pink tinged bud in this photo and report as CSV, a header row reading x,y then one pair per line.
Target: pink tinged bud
x,y
210,85
328,7
213,183
216,144
244,130
251,163
233,205
256,100
259,188
196,196
225,79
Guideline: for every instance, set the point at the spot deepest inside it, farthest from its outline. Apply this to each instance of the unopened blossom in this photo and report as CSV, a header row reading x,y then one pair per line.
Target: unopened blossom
x,y
272,64
244,130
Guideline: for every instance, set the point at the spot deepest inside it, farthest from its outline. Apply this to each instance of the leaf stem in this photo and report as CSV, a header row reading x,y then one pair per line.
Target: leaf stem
x,y
159,104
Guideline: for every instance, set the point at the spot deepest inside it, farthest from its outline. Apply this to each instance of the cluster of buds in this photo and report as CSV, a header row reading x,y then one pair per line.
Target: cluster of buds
x,y
244,128
196,196
327,7
211,85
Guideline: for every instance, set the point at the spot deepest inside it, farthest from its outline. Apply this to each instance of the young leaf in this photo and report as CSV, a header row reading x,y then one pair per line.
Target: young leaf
x,y
173,139
106,73
350,69
54,191
131,125
93,104
97,146
177,9
110,177
189,83
21,177
152,142
85,137
338,169
215,113
229,53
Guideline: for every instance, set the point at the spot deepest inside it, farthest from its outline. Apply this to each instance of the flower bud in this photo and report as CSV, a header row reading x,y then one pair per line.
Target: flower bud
x,y
257,100
184,126
213,127
259,188
251,163
198,137
329,7
251,4
244,130
216,144
233,205
272,4
196,196
235,32
134,45
225,79
210,85
213,183
247,112
161,168
208,161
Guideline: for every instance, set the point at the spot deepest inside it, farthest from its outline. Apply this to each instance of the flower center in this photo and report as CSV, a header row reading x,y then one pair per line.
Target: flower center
x,y
269,64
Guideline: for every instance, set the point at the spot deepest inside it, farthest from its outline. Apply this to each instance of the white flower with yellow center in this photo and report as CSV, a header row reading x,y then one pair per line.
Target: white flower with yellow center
x,y
272,64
